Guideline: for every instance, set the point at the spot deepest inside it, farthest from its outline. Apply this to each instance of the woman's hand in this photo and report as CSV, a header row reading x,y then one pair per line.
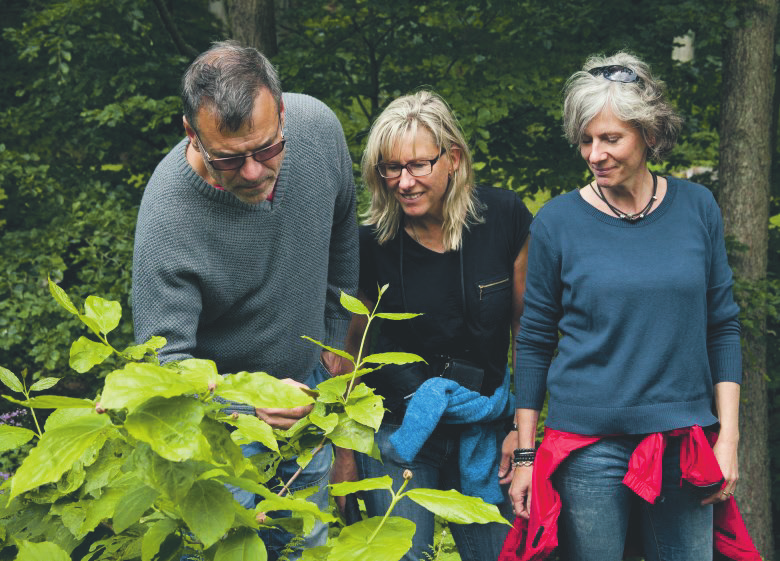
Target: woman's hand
x,y
520,491
725,449
507,454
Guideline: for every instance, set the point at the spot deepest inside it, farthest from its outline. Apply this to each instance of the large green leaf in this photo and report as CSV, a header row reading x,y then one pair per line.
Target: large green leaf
x,y
261,390
208,511
370,484
53,402
155,537
86,353
365,407
455,507
44,551
393,358
199,372
224,452
105,313
65,415
138,381
353,435
10,380
390,544
242,545
307,511
171,427
172,479
135,501
13,437
83,516
252,429
58,449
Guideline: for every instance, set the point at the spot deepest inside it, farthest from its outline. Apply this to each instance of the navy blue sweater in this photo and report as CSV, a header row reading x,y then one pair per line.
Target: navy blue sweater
x,y
647,319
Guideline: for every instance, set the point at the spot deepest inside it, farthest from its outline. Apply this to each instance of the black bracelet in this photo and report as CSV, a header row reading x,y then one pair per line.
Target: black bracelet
x,y
524,457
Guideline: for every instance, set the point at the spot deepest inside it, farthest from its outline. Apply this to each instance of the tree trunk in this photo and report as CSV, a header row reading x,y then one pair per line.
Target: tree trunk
x,y
253,23
745,158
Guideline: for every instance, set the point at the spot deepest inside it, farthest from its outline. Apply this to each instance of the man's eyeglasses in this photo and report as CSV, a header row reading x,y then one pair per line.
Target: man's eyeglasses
x,y
615,73
416,168
235,162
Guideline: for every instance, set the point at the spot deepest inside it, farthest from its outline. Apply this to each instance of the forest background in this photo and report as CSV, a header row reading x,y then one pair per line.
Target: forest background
x,y
89,104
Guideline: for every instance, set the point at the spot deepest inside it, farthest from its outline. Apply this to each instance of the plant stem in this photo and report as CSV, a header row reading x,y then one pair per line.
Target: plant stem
x,y
295,475
396,497
359,359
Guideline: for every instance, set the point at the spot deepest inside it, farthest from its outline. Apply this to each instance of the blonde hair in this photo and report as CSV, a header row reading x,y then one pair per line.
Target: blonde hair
x,y
401,118
643,103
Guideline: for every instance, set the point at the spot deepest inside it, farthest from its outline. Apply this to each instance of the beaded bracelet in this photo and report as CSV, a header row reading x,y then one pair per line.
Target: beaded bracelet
x,y
524,457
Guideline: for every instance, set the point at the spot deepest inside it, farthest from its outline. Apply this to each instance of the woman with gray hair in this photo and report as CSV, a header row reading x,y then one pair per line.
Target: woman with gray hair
x,y
628,279
456,253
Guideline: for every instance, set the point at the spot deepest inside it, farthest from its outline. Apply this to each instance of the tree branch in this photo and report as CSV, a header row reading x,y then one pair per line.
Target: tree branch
x,y
182,46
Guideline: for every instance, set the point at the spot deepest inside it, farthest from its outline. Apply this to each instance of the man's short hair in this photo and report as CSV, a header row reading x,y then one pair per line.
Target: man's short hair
x,y
227,78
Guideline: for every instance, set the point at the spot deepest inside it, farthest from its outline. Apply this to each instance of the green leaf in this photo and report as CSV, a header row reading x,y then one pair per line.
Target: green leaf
x,y
62,298
44,551
60,417
241,545
132,506
392,541
155,536
105,313
370,484
396,315
10,380
353,305
53,402
326,422
198,372
137,352
393,358
13,437
171,427
455,507
353,435
365,407
44,384
139,381
172,479
261,390
86,353
207,509
58,449
343,354
254,430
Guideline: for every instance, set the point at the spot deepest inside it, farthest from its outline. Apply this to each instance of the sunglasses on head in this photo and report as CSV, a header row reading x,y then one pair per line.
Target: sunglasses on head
x,y
615,73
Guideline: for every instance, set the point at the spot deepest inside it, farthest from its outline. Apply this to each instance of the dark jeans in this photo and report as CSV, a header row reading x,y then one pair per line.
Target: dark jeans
x,y
435,467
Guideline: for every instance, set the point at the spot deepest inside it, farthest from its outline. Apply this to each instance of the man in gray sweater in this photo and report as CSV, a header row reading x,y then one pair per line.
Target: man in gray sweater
x,y
247,234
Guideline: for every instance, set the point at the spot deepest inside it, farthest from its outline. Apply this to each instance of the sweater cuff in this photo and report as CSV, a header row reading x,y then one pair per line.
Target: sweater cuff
x,y
530,388
726,366
336,332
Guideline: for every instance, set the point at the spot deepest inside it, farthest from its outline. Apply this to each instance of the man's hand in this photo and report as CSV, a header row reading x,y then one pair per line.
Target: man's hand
x,y
280,418
336,364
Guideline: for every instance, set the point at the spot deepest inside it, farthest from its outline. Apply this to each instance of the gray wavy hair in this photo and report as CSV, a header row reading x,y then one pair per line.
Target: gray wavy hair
x,y
643,103
227,78
402,117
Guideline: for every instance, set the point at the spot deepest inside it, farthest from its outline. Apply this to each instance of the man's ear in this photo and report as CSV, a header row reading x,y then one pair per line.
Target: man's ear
x,y
191,134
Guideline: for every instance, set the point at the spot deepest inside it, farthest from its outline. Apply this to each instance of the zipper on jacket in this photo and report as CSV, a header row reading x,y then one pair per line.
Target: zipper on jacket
x,y
482,287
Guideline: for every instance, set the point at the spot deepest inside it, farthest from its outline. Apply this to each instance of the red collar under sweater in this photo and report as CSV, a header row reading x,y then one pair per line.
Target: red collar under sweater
x,y
699,468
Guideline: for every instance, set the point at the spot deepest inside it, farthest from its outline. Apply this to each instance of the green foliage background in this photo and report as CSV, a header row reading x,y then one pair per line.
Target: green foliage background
x,y
89,104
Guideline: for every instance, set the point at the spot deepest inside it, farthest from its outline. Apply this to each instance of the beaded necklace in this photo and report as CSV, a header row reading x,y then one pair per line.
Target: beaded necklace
x,y
627,215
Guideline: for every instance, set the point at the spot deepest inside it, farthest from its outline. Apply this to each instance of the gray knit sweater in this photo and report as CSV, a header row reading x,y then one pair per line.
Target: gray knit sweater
x,y
240,284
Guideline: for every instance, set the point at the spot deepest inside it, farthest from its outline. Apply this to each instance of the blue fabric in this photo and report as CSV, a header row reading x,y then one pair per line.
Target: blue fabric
x,y
645,313
596,507
441,399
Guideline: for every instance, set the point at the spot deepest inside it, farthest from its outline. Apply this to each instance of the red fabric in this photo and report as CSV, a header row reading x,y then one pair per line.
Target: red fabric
x,y
697,463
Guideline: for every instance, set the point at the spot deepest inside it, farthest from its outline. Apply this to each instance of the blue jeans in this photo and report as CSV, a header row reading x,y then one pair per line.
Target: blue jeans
x,y
435,467
596,506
